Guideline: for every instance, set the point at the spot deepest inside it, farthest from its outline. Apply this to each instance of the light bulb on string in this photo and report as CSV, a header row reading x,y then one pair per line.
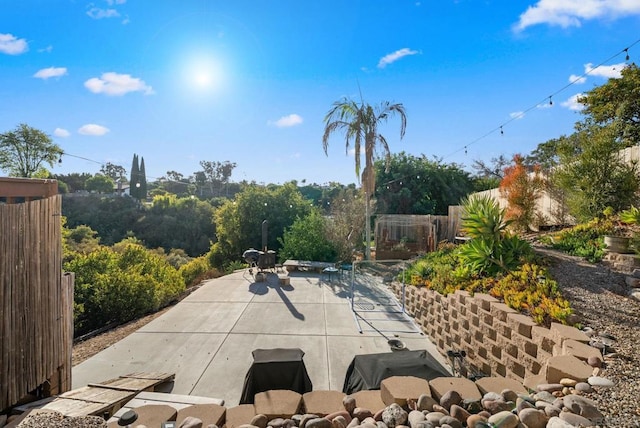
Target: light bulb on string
x,y
465,150
501,130
627,52
550,101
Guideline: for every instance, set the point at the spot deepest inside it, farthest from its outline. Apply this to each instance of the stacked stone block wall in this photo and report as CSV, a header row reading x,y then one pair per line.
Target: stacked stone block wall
x,y
498,340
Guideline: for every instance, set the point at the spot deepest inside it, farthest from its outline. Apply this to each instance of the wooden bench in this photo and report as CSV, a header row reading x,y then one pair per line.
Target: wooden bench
x,y
296,265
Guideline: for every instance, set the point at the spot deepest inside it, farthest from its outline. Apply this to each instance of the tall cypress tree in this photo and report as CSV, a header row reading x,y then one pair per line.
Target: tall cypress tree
x,y
142,194
134,189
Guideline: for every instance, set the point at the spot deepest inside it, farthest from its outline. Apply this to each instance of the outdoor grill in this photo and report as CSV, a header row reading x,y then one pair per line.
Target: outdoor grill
x,y
260,259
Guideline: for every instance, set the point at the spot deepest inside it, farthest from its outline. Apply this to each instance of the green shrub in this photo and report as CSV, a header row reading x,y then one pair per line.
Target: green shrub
x,y
197,270
118,286
584,240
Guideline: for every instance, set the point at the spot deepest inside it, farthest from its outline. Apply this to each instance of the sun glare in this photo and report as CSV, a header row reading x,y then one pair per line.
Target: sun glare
x,y
203,74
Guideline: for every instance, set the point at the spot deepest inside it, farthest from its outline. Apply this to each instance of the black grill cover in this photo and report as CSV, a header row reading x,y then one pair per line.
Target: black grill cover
x,y
278,368
367,371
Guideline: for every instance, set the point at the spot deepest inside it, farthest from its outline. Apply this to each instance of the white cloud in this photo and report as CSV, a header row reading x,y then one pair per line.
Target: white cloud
x,y
12,45
577,79
117,84
287,121
571,13
516,115
572,103
47,73
112,2
606,71
61,132
93,129
393,57
97,13
48,49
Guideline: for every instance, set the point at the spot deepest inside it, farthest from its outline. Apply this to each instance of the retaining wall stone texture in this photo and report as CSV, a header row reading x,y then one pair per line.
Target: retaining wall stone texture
x,y
498,340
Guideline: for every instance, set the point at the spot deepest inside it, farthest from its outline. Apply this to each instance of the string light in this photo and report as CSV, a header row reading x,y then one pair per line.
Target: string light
x,y
577,79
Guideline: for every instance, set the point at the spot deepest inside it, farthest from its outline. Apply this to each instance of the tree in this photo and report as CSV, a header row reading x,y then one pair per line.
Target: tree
x,y
100,184
173,222
360,123
215,174
239,221
116,172
25,150
617,102
75,181
417,185
306,239
134,181
142,191
522,187
594,176
491,169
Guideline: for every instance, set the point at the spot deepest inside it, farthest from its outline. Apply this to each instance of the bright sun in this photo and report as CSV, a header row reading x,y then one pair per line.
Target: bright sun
x,y
203,73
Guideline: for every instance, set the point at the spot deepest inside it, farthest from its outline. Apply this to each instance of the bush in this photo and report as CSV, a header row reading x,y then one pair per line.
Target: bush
x,y
584,240
306,239
118,286
197,270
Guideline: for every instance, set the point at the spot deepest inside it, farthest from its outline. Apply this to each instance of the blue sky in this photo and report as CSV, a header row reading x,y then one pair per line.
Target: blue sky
x,y
250,81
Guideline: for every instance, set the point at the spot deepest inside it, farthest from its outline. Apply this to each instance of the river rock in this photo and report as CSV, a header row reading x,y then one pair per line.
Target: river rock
x,y
575,420
276,423
594,361
451,421
491,396
349,404
318,423
439,408
509,395
369,425
549,387
259,421
415,417
552,410
556,422
583,387
471,405
504,420
339,422
497,406
601,382
450,398
568,382
361,413
434,417
544,396
342,413
583,407
354,423
533,418
425,402
522,404
459,413
394,415
475,419
381,424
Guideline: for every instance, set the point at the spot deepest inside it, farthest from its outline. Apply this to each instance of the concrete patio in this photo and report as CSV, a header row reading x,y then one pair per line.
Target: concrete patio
x,y
207,338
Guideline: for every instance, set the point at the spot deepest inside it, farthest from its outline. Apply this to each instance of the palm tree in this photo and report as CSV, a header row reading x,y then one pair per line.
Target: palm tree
x,y
359,122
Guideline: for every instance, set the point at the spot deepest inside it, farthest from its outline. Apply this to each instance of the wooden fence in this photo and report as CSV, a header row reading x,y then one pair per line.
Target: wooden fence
x,y
400,236
36,299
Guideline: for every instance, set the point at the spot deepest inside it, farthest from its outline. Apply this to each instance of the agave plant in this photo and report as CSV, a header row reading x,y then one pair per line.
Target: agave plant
x,y
492,248
483,218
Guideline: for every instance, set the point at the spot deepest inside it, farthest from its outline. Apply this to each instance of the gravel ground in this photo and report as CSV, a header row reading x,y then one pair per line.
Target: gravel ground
x,y
598,296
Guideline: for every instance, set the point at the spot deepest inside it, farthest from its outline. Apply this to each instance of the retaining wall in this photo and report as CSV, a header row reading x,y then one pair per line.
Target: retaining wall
x,y
498,340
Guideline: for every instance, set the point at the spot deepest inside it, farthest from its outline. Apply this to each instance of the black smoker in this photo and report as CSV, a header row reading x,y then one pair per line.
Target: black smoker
x,y
263,260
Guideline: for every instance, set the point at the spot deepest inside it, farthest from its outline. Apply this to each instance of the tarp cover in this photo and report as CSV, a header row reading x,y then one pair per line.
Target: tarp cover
x,y
279,368
367,371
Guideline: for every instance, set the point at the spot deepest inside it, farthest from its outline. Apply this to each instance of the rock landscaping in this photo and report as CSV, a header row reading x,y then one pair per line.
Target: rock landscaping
x,y
401,402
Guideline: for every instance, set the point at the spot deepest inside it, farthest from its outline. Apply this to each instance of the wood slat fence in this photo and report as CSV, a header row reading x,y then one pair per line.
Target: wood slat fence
x,y
36,299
